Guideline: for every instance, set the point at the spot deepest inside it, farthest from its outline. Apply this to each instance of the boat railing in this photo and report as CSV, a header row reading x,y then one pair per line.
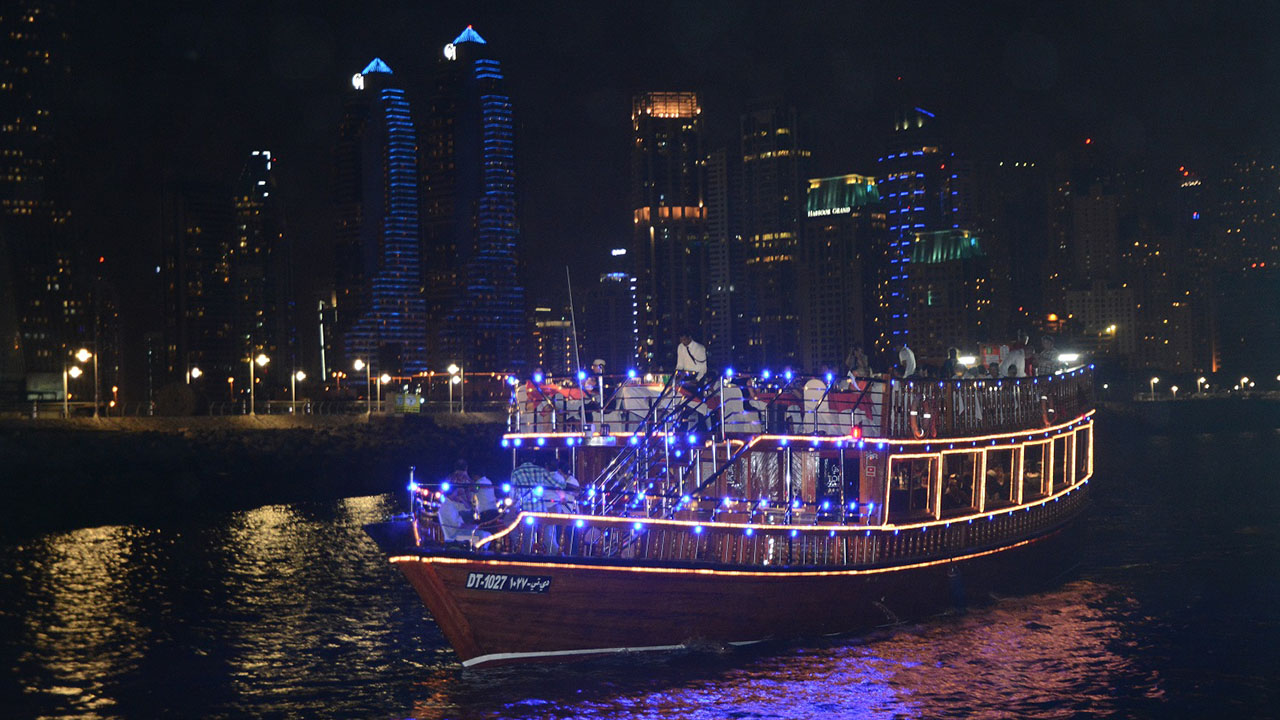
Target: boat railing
x,y
804,405
738,541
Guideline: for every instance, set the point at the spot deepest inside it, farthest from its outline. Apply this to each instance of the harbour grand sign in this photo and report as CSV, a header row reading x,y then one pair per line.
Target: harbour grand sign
x,y
840,195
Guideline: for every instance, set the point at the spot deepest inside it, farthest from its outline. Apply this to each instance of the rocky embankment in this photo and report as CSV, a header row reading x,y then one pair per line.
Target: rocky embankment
x,y
72,473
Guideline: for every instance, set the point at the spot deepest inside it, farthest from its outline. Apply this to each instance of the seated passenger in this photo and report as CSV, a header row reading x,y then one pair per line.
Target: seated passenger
x,y
486,501
455,507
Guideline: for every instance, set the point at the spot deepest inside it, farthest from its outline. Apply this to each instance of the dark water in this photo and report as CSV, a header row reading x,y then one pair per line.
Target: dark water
x,y
287,611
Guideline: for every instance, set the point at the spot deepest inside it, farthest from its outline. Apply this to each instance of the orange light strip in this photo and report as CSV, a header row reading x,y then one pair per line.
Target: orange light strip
x,y
707,571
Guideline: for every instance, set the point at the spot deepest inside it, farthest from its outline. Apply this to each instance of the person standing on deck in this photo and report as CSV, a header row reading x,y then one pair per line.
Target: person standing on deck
x,y
906,361
691,357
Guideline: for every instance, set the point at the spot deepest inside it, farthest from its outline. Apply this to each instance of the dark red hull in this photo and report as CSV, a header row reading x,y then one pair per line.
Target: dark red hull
x,y
589,609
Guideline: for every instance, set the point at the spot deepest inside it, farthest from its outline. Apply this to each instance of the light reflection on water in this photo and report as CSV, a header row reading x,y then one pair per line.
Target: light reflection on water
x,y
1046,656
289,611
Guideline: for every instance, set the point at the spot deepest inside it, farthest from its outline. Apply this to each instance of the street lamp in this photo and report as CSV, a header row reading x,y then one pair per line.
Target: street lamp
x,y
368,385
294,379
231,384
193,374
457,377
261,361
1174,390
83,355
73,371
383,379
1200,383
1154,380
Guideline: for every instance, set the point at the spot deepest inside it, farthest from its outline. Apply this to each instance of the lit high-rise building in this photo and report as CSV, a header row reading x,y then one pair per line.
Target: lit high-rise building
x,y
475,301
668,186
262,267
773,198
200,303
382,314
843,233
50,292
920,187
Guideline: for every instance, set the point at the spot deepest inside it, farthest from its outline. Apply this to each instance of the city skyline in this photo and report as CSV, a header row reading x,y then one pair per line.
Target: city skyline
x,y
573,209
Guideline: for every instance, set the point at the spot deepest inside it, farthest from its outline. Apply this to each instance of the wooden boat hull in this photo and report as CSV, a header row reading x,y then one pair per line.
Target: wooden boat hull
x,y
497,610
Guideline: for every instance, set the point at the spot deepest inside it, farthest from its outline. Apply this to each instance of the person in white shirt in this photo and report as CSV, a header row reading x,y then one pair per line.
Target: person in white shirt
x,y
486,501
454,508
907,360
691,357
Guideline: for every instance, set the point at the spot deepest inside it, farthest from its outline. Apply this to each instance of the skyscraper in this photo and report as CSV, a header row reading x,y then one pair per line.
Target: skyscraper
x,y
475,301
262,267
50,289
200,302
773,172
919,185
843,233
668,187
382,315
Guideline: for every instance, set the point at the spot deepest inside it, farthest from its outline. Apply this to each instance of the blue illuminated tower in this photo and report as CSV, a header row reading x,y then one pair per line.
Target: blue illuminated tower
x,y
475,301
920,194
382,315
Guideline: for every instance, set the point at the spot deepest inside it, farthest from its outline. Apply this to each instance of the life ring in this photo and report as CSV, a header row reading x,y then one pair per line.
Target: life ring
x,y
923,420
1046,410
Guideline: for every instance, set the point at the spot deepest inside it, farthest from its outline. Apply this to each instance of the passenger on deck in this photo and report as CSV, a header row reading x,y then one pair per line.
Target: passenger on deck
x,y
857,363
951,365
571,487
530,483
906,361
455,509
691,357
1014,363
486,501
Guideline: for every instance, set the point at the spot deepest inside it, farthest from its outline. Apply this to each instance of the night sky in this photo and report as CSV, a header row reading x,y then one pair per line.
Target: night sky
x,y
186,90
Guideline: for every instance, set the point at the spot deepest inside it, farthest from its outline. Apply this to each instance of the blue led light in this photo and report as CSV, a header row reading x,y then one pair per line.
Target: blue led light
x,y
697,529
579,523
631,374
538,490
506,487
504,442
444,487
750,532
528,520
537,378
542,441
728,373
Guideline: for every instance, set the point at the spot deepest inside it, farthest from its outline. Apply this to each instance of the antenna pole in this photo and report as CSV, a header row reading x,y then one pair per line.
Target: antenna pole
x,y
577,360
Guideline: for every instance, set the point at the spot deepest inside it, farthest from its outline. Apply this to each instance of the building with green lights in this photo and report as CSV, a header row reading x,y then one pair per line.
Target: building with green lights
x,y
844,239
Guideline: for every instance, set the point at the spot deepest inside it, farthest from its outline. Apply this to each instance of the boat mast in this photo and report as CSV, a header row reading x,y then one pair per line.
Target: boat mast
x,y
577,360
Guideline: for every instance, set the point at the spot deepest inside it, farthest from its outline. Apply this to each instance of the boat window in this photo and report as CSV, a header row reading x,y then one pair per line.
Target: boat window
x,y
1084,454
1033,466
913,488
960,472
1000,487
1062,475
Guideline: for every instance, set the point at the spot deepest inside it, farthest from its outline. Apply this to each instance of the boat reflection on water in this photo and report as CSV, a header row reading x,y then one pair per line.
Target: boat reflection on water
x,y
1051,655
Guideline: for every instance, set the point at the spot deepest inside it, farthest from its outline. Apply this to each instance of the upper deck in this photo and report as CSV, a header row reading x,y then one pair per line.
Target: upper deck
x,y
737,405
